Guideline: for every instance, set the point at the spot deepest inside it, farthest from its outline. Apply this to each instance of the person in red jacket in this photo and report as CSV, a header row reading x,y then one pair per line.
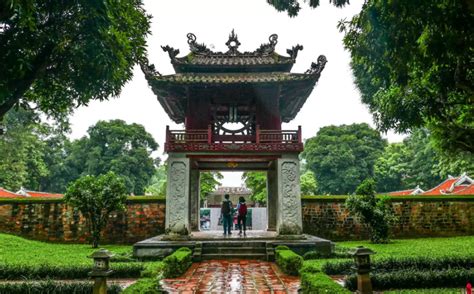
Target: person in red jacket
x,y
242,215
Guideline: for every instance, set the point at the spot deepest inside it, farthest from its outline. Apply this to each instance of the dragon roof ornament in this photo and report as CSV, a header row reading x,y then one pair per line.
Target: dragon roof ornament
x,y
233,43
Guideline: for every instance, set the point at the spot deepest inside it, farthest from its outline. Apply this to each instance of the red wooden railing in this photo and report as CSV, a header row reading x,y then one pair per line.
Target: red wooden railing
x,y
206,136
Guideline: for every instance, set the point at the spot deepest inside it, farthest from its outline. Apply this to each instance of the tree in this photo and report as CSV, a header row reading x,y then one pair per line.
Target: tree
x,y
413,64
58,55
257,182
22,151
158,181
373,212
96,198
208,181
292,7
343,156
392,168
115,146
308,183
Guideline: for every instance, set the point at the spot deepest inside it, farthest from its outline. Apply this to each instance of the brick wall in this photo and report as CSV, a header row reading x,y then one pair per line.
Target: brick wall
x,y
416,218
56,221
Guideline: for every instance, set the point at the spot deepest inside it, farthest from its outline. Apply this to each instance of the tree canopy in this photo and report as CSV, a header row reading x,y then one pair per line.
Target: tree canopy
x,y
413,63
96,197
208,181
257,182
292,7
57,55
341,157
119,147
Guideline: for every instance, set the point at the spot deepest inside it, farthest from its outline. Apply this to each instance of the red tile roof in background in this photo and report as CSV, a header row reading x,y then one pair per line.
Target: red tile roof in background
x,y
4,193
36,194
401,193
444,186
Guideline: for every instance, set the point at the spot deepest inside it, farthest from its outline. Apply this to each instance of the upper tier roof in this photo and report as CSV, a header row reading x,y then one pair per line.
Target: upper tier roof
x,y
202,59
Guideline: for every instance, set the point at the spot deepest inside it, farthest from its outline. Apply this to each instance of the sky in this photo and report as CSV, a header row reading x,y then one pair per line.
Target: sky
x,y
334,101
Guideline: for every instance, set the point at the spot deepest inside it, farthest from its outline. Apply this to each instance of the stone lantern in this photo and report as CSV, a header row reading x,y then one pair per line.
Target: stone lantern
x,y
101,270
362,266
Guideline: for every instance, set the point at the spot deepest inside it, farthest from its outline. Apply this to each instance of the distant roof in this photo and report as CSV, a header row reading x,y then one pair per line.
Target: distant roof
x,y
415,191
4,193
36,194
462,185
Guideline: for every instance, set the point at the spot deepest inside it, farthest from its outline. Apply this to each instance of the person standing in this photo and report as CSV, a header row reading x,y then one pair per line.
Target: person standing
x,y
226,214
242,215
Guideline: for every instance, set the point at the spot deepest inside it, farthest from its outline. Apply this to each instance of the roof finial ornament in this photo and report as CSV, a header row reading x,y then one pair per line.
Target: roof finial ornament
x,y
269,48
233,43
317,68
194,46
293,52
171,51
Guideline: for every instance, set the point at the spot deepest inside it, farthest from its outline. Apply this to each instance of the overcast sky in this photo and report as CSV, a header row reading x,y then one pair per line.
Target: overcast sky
x,y
334,101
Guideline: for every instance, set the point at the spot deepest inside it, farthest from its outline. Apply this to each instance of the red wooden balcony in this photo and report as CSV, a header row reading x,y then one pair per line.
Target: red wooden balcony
x,y
206,140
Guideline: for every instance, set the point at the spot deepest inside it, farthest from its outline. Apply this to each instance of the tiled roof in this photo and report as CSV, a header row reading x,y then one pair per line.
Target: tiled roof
x,y
226,60
469,190
36,194
232,190
4,193
453,185
401,193
233,78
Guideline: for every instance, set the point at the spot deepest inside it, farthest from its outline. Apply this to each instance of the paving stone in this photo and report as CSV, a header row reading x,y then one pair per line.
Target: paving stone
x,y
233,276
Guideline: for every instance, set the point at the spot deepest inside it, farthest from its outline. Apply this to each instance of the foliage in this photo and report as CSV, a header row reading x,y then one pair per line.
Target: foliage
x,y
158,181
96,198
288,261
308,183
343,156
425,291
60,55
373,212
292,7
413,64
177,263
53,287
22,156
119,147
319,283
413,278
208,182
143,286
257,182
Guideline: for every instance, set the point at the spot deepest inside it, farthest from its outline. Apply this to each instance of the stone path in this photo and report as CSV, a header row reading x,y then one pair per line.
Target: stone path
x,y
232,276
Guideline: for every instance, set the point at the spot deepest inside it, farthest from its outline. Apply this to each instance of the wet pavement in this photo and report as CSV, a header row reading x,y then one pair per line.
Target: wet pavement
x,y
232,276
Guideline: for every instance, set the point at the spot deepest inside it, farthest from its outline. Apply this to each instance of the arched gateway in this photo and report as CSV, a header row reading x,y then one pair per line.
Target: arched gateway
x,y
232,105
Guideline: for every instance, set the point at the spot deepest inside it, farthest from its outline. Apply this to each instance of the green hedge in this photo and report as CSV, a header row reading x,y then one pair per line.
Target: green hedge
x,y
393,264
14,272
413,279
288,261
316,283
53,287
176,264
143,286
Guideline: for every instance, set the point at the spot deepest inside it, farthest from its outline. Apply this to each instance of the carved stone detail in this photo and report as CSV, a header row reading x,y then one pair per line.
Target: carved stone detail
x,y
290,205
171,51
177,199
293,52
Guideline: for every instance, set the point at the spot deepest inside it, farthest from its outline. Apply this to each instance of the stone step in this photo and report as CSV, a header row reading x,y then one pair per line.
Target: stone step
x,y
257,256
234,244
234,249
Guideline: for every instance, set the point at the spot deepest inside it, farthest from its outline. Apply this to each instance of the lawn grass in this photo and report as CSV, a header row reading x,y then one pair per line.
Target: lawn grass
x,y
423,247
425,291
19,251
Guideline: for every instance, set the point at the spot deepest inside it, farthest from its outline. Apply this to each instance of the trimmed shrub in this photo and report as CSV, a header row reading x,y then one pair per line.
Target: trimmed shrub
x,y
316,283
393,264
415,279
11,271
143,286
176,264
152,269
53,287
288,261
282,247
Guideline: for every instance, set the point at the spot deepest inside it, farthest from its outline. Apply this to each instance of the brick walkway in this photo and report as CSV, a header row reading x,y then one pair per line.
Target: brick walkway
x,y
232,276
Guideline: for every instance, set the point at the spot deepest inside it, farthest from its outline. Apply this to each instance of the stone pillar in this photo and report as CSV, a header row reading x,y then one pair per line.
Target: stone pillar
x,y
177,195
194,212
272,199
289,220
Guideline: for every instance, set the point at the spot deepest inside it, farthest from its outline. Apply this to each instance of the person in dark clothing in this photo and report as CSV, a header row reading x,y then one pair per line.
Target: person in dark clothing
x,y
226,214
242,215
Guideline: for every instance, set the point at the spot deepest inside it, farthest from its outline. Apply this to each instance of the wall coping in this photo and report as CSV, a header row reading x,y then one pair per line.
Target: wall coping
x,y
443,198
130,200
